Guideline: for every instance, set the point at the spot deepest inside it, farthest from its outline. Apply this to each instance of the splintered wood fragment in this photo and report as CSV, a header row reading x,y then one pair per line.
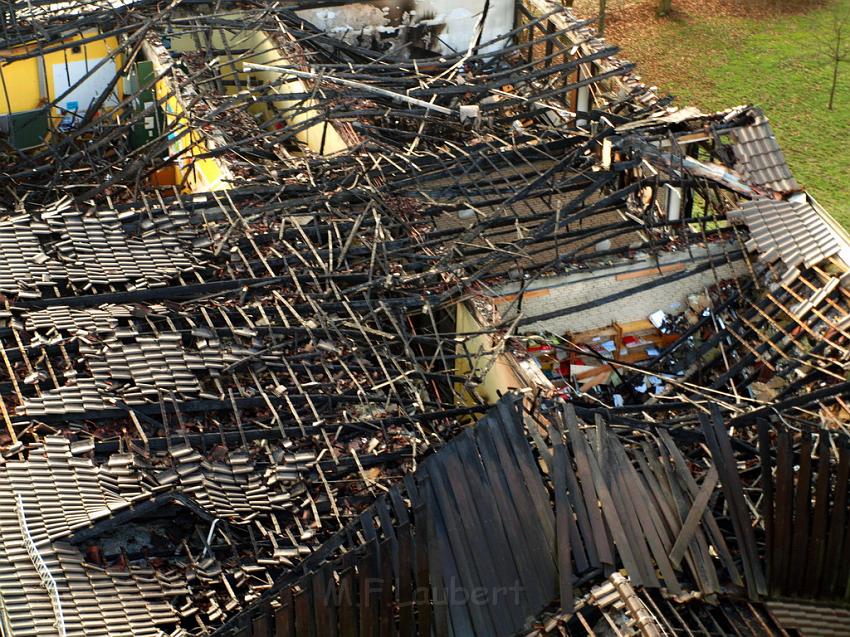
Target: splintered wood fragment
x,y
237,418
9,427
331,498
694,517
351,84
11,373
142,436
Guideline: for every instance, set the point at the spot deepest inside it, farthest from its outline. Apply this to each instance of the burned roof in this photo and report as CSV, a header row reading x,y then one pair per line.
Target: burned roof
x,y
304,330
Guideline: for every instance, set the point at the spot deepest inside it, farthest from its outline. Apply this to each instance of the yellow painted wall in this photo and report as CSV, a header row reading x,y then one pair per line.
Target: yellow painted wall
x,y
321,137
501,376
21,80
197,174
21,87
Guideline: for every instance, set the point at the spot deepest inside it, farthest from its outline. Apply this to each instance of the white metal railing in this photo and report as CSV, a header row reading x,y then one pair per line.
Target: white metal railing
x,y
43,572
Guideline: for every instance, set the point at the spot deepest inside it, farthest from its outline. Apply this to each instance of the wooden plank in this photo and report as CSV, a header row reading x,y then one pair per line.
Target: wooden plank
x,y
610,508
521,538
404,591
304,623
348,604
425,617
837,552
802,512
369,606
529,519
324,604
768,495
386,612
674,509
399,507
284,617
473,488
647,515
474,570
563,513
518,444
381,507
583,546
694,517
687,480
817,539
260,626
448,618
783,523
588,490
721,450
626,514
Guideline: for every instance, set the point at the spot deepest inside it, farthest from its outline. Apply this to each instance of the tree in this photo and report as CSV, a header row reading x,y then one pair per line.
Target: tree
x,y
602,5
836,47
664,7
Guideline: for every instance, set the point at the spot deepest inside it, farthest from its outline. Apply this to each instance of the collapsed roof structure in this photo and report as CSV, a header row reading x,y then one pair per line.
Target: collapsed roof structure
x,y
348,319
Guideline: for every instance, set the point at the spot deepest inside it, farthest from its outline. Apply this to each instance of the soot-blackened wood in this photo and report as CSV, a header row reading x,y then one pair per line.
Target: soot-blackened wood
x,y
404,591
627,514
348,604
563,513
422,584
519,535
383,510
472,487
721,451
304,616
324,602
386,621
465,549
517,442
837,552
689,484
648,516
610,508
783,523
600,536
817,539
369,601
284,618
260,626
768,498
583,546
694,517
702,565
802,521
399,507
530,521
448,617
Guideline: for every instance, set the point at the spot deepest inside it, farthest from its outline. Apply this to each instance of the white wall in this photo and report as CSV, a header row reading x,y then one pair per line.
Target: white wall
x,y
452,21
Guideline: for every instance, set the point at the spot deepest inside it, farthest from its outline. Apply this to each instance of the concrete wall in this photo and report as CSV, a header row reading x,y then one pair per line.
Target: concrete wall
x,y
666,285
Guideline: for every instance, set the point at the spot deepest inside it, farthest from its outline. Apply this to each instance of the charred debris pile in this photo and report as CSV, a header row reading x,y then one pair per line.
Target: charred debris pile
x,y
304,332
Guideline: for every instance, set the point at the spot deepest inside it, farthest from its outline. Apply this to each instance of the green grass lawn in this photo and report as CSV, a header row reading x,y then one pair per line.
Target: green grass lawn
x,y
775,62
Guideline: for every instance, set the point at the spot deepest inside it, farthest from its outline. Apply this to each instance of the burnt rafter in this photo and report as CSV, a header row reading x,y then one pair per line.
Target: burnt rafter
x,y
317,330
